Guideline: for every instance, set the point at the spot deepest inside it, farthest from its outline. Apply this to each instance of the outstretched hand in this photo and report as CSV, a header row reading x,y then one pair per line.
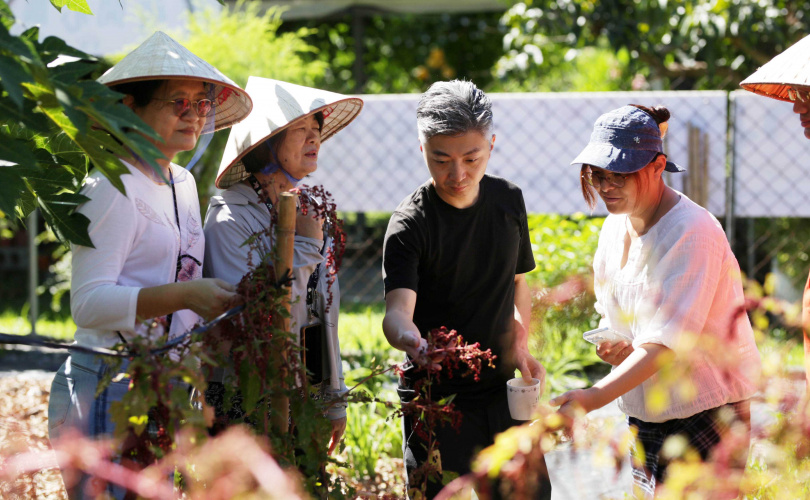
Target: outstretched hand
x,y
573,404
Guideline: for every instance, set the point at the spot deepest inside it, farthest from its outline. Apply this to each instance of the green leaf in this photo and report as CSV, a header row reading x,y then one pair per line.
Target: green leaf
x,y
6,16
103,105
101,150
53,47
12,189
30,35
69,72
28,116
79,6
12,75
70,106
16,151
68,225
18,46
49,181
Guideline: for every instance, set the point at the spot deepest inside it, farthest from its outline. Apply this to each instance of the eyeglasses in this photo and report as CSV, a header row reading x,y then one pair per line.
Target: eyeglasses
x,y
798,95
596,179
203,107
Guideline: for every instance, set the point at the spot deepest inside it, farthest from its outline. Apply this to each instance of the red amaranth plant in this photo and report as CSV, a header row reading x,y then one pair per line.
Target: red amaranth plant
x,y
319,201
453,354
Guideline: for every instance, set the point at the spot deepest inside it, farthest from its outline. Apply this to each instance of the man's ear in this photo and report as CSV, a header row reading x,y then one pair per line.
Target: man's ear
x,y
492,142
420,148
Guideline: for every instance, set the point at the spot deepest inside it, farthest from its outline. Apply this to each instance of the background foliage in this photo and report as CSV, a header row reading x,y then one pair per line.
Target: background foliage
x,y
679,45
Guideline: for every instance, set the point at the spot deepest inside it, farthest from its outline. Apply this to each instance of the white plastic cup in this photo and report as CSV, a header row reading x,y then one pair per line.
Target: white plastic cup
x,y
523,398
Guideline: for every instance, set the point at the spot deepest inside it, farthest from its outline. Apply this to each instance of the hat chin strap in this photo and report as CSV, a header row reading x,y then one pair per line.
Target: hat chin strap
x,y
272,168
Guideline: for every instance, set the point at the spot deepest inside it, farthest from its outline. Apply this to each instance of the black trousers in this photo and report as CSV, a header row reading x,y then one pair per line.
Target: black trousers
x,y
479,424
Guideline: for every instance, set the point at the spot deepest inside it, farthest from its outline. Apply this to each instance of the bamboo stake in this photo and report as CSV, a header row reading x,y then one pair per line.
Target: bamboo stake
x,y
282,263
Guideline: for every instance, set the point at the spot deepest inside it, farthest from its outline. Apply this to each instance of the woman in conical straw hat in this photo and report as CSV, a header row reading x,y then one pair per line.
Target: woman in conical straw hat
x,y
146,263
267,154
786,77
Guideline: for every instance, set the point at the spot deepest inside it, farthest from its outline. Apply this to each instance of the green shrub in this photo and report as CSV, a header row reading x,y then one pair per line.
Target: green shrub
x,y
563,248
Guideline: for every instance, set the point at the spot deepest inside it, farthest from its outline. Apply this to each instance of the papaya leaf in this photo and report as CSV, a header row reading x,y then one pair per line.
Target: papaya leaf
x,y
18,46
16,151
105,107
12,189
52,47
95,144
79,6
31,35
12,75
70,72
70,106
46,100
59,212
48,180
6,16
28,116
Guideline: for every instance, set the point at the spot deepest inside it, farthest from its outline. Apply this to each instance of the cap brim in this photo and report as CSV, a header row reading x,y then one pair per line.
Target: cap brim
x,y
674,167
614,159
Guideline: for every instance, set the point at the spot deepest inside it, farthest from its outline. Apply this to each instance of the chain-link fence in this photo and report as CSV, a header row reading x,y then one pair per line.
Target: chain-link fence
x,y
743,155
769,227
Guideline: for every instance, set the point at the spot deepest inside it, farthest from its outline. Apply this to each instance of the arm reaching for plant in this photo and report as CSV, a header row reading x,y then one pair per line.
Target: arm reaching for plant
x,y
399,328
527,364
640,365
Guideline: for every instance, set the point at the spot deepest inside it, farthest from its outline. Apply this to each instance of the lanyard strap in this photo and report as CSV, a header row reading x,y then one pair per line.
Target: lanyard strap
x,y
179,243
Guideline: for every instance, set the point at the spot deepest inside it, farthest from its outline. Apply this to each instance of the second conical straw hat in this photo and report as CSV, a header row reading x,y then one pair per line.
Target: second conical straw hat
x,y
789,69
161,58
278,104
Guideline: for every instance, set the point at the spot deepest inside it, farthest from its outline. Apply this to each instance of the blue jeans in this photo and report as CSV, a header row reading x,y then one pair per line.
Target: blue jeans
x,y
73,405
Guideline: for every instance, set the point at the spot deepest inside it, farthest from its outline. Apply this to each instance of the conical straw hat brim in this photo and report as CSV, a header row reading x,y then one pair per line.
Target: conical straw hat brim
x,y
277,105
162,58
789,69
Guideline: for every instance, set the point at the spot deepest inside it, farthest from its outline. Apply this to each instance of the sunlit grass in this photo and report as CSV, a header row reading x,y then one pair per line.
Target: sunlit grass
x,y
12,322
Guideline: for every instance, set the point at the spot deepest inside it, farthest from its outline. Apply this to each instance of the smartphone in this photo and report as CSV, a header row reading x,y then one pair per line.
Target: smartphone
x,y
313,340
604,335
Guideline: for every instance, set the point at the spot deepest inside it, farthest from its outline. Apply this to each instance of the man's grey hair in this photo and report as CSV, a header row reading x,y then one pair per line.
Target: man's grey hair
x,y
453,108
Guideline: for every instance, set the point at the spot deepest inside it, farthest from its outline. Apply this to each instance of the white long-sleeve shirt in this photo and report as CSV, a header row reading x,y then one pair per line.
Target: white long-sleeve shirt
x,y
681,283
137,242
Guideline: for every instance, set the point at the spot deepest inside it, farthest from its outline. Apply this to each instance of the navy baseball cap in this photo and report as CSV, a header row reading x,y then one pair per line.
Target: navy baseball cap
x,y
624,140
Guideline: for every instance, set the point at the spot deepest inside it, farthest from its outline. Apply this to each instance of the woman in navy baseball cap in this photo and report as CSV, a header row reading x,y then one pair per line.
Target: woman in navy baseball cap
x,y
665,279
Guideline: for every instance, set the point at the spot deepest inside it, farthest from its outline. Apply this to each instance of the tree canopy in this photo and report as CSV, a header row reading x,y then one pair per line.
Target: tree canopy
x,y
678,44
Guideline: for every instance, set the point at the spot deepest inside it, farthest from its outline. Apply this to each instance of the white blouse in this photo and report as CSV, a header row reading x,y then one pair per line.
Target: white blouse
x,y
137,243
680,277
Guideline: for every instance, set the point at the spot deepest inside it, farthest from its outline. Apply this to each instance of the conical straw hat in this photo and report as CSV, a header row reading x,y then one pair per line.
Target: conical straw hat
x,y
160,58
786,70
277,105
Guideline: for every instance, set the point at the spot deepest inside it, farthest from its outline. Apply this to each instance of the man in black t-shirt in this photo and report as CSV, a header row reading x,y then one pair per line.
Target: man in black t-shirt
x,y
455,255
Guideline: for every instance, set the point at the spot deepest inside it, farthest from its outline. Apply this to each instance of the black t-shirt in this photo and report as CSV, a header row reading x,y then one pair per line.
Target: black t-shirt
x,y
462,265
